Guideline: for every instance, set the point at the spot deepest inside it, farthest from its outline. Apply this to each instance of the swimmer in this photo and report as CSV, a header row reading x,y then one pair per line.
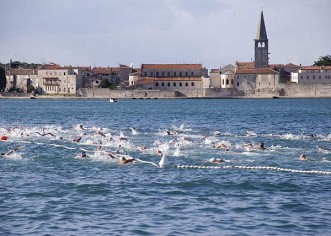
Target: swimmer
x,y
168,132
81,127
44,134
222,146
124,161
323,149
261,146
248,146
100,133
303,157
83,154
77,140
12,151
216,161
123,139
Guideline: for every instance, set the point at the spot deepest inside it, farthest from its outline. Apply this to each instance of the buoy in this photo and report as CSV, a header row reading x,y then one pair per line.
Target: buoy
x,y
3,138
164,161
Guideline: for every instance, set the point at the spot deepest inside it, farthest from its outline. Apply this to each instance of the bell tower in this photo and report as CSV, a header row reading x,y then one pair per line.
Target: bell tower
x,y
261,45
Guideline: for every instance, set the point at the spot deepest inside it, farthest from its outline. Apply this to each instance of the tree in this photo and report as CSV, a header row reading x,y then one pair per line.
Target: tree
x,y
323,61
3,80
104,83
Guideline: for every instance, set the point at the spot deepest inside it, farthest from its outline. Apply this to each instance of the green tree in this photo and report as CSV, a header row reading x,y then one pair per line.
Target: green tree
x,y
323,61
104,83
31,89
3,80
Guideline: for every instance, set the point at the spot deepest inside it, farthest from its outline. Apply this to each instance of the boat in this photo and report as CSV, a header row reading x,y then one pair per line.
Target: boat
x,y
112,100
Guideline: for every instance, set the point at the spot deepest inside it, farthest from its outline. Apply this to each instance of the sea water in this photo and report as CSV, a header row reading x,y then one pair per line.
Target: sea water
x,y
46,188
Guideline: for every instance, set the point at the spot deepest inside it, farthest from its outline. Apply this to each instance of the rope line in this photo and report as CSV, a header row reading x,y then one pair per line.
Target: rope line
x,y
256,168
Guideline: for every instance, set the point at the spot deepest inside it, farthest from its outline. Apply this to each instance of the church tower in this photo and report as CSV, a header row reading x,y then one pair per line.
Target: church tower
x,y
261,45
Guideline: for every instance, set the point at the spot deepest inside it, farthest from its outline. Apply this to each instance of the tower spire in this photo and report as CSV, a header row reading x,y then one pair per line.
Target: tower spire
x,y
261,33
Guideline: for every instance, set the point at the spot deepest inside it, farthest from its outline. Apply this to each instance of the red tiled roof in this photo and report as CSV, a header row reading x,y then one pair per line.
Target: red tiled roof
x,y
245,65
316,68
215,71
172,66
256,71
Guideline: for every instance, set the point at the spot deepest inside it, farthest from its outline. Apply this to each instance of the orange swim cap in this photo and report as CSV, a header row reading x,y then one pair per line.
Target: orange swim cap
x,y
3,138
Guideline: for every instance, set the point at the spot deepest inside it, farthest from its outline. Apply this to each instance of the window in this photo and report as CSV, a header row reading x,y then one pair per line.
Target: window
x,y
180,74
307,76
186,73
145,74
237,84
186,84
192,84
162,73
180,84
151,73
175,74
157,84
192,73
320,77
174,84
64,90
313,76
162,84
232,81
157,73
59,90
227,82
326,77
301,76
169,73
64,73
237,76
168,84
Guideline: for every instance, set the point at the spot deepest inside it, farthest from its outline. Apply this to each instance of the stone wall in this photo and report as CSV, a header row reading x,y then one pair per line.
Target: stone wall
x,y
130,94
285,90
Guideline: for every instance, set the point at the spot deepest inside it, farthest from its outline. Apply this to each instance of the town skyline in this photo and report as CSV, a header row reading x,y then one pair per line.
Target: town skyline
x,y
214,33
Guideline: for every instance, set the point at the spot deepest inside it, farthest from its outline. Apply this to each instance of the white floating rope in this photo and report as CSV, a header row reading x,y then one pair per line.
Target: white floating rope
x,y
319,172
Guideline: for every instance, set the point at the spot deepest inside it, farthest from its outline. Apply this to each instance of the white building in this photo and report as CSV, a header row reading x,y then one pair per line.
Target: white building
x,y
312,75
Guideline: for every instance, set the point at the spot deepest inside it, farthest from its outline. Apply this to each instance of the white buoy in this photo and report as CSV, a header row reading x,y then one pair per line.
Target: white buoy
x,y
164,161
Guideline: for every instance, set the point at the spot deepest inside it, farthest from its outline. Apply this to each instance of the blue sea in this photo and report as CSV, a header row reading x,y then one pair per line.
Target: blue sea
x,y
47,188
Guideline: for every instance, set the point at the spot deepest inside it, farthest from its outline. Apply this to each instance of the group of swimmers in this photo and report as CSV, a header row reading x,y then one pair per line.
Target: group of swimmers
x,y
124,160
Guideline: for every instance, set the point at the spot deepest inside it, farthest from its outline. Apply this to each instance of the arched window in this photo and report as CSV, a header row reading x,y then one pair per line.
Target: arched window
x,y
168,84
175,74
186,84
174,84
169,73
222,81
157,73
180,74
186,73
162,73
157,84
232,81
145,74
180,84
192,84
227,81
162,84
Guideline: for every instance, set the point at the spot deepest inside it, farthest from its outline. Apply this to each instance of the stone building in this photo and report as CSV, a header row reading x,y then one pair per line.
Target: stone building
x,y
312,75
20,79
171,77
257,79
55,79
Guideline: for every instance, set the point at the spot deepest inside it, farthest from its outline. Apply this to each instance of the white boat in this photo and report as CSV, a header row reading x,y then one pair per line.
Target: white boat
x,y
112,100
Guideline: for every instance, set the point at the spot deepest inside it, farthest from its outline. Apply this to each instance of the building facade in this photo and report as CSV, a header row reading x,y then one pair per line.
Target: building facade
x,y
54,79
312,75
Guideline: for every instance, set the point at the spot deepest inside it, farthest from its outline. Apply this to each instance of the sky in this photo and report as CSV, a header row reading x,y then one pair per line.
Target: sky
x,y
112,32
